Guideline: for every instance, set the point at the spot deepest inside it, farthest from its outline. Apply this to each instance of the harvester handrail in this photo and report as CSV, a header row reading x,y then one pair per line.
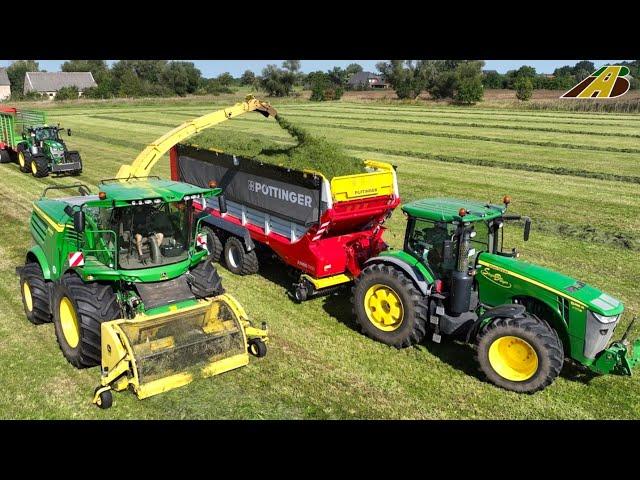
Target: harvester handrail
x,y
154,151
129,179
64,187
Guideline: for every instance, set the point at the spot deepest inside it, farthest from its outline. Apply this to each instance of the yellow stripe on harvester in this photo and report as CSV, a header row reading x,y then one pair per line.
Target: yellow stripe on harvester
x,y
538,284
49,220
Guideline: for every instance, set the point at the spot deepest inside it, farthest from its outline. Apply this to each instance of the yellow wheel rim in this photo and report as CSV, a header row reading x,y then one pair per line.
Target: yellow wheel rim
x,y
384,307
21,159
26,293
513,358
34,168
69,322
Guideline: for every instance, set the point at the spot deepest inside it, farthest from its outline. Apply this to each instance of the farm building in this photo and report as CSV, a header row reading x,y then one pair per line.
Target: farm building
x,y
48,83
5,84
367,80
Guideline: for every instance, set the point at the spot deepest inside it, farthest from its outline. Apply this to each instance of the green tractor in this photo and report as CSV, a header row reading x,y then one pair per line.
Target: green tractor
x,y
453,277
126,278
38,148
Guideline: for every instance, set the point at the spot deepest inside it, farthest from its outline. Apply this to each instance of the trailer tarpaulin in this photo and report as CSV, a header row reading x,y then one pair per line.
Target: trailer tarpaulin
x,y
290,194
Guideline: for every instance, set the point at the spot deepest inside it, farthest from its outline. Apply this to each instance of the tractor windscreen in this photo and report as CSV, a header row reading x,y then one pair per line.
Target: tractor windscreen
x,y
47,134
151,235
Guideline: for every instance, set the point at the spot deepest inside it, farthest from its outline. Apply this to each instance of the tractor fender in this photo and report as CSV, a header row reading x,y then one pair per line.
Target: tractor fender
x,y
36,253
508,310
410,270
236,230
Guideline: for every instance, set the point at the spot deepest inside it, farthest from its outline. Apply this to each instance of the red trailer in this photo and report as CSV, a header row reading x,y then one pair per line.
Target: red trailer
x,y
324,228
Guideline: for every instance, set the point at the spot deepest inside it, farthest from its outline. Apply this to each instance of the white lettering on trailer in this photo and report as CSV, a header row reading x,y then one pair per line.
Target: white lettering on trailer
x,y
280,193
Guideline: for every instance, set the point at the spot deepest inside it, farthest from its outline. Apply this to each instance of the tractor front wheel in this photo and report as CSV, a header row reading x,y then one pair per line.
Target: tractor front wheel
x,y
39,166
35,294
79,309
388,306
237,260
522,354
24,160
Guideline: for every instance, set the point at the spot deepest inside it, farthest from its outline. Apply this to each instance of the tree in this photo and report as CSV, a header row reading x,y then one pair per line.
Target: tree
x,y
225,79
468,87
68,93
248,78
524,88
407,78
277,82
584,65
16,72
98,68
181,77
324,86
492,80
292,65
352,69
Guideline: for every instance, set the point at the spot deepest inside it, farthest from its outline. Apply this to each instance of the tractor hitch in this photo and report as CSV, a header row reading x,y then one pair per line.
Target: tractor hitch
x,y
621,356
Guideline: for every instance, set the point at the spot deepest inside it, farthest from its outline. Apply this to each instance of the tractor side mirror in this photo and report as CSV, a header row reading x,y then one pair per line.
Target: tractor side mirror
x,y
69,132
78,221
527,228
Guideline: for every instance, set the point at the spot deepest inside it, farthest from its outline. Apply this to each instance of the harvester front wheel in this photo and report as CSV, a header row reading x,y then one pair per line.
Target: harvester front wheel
x,y
5,157
35,294
213,244
257,347
78,310
105,398
388,306
237,260
205,280
522,354
39,166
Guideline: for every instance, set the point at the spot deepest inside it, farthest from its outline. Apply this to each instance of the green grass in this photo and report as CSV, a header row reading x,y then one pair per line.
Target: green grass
x,y
583,200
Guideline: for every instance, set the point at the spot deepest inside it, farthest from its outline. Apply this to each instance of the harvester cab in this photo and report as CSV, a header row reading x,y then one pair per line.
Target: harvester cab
x,y
124,274
454,277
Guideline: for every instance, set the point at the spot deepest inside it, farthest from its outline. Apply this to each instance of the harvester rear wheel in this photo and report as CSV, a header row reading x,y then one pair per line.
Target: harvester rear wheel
x,y
24,159
205,281
388,306
39,166
5,157
213,244
78,310
237,260
35,294
521,354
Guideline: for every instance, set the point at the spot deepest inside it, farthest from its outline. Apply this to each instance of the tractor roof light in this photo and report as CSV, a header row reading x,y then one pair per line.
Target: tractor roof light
x,y
102,195
506,200
462,212
213,184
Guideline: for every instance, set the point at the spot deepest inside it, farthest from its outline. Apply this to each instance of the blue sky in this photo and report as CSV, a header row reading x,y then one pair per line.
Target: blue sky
x,y
212,68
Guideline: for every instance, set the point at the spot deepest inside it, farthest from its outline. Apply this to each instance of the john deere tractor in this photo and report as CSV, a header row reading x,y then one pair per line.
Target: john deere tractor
x,y
453,277
42,151
126,279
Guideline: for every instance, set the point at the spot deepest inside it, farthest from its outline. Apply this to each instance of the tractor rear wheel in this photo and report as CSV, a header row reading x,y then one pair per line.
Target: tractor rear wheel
x,y
388,306
5,157
237,260
35,294
39,165
24,159
213,244
205,281
522,354
78,310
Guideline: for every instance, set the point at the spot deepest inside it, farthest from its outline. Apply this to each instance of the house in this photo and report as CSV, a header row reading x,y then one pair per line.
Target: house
x,y
48,83
365,80
5,84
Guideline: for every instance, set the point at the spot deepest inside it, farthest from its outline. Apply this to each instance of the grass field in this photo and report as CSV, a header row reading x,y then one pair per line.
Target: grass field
x,y
576,174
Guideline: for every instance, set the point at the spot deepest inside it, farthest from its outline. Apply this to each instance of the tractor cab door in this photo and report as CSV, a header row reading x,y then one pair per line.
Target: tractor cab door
x,y
433,243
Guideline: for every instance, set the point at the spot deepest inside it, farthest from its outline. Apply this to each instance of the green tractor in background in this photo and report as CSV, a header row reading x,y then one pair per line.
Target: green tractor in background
x,y
126,278
453,277
38,148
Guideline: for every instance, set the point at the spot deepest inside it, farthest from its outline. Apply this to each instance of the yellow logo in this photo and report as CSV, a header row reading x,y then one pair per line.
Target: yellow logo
x,y
495,278
607,82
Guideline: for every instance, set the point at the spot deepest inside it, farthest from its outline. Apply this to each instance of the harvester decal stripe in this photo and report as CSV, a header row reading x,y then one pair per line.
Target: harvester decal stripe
x,y
538,284
46,218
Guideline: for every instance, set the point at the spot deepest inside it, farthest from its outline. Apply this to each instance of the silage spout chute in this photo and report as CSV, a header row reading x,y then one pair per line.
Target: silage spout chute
x,y
145,161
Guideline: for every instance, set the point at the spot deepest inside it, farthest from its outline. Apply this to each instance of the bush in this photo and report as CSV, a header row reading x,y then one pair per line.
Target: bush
x,y
324,87
67,93
407,78
468,88
524,88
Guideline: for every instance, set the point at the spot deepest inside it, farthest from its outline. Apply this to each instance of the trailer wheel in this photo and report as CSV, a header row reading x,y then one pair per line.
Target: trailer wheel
x,y
522,354
237,260
388,306
78,310
5,157
213,244
35,294
24,160
39,166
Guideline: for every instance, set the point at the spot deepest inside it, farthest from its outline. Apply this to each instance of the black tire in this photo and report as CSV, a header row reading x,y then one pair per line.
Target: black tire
x,y
412,326
237,260
74,156
213,244
257,347
537,333
105,399
93,303
5,156
39,165
38,290
25,165
205,280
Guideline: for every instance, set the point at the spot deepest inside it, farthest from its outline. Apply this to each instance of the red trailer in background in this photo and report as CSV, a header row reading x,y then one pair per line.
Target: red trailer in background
x,y
324,228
